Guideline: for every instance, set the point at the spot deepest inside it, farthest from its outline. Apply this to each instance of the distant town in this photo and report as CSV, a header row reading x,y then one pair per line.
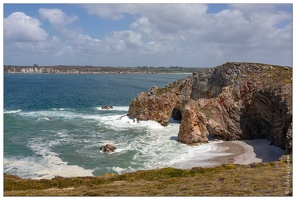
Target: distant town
x,y
69,69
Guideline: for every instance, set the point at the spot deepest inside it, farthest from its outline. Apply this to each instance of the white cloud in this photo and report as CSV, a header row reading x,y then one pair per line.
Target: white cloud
x,y
172,34
20,27
58,19
46,50
142,25
56,16
75,41
122,40
168,17
112,11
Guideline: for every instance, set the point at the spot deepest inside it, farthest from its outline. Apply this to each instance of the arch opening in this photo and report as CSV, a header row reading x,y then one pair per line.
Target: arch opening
x,y
176,114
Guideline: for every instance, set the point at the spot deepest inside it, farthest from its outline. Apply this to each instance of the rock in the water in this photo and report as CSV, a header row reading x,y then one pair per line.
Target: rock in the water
x,y
108,148
107,107
232,101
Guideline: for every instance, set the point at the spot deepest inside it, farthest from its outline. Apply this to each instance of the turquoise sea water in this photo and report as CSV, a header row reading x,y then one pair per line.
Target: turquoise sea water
x,y
54,126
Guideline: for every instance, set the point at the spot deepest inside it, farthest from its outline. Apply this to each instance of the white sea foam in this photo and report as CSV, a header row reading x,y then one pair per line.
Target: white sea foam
x,y
48,113
159,148
115,108
42,168
55,114
62,109
62,133
11,111
46,165
119,122
149,146
120,170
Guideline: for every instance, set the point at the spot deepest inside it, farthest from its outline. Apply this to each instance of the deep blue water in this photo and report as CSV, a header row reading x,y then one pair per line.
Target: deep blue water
x,y
54,125
45,91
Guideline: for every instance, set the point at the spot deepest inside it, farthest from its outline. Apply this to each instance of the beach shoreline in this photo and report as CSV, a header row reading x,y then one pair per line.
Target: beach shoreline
x,y
246,152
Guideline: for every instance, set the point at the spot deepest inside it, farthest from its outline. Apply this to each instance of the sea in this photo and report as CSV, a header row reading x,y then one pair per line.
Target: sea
x,y
54,125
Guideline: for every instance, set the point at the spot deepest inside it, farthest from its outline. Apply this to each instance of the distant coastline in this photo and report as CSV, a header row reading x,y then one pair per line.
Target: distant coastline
x,y
65,69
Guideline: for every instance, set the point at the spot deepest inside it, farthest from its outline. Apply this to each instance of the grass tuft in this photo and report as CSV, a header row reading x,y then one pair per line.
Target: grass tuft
x,y
257,179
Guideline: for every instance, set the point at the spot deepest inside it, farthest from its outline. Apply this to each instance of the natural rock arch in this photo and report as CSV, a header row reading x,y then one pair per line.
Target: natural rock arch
x,y
232,101
176,114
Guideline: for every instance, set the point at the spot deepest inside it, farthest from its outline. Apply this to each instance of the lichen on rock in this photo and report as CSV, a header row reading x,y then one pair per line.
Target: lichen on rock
x,y
233,101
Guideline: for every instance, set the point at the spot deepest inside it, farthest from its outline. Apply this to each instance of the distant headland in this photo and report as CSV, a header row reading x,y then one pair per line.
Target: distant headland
x,y
70,69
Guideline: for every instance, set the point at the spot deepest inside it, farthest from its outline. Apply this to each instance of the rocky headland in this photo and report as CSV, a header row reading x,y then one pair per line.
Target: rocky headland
x,y
234,101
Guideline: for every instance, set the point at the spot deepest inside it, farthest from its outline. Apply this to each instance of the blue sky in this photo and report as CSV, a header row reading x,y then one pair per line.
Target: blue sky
x,y
189,35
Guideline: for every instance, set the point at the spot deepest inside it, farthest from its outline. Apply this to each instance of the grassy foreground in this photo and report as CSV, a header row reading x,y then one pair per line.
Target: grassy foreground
x,y
262,179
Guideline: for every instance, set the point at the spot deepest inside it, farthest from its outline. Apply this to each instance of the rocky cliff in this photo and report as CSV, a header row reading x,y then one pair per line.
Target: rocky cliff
x,y
233,101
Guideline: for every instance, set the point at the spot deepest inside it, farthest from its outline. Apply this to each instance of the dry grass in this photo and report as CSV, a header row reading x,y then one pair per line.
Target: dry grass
x,y
266,179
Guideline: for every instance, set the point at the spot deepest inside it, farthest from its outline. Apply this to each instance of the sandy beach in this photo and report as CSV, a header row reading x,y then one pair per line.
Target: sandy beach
x,y
247,152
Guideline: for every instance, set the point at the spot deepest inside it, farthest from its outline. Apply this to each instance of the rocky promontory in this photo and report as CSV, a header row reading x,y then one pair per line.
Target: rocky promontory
x,y
234,101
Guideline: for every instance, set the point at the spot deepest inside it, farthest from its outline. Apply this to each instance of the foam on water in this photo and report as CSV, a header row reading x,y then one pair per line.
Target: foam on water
x,y
71,114
145,145
59,133
66,114
48,113
115,108
12,111
121,122
158,147
120,170
45,165
62,109
42,168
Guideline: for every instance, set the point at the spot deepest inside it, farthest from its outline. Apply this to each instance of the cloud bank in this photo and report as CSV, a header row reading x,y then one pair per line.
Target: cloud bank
x,y
158,35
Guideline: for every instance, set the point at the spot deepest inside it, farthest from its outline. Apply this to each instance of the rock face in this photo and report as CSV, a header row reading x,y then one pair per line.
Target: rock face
x,y
233,101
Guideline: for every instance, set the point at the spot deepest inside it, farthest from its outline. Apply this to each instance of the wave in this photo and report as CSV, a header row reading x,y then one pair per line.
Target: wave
x,y
115,108
120,170
45,165
48,114
68,113
40,168
140,145
11,111
123,122
158,146
62,109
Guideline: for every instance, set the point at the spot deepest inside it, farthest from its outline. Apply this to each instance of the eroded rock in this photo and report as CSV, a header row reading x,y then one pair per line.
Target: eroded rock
x,y
233,101
108,148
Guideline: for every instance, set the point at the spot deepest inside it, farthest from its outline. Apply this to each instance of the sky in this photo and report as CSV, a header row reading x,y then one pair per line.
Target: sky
x,y
147,34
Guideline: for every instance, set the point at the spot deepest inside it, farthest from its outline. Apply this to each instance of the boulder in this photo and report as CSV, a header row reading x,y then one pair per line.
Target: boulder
x,y
108,148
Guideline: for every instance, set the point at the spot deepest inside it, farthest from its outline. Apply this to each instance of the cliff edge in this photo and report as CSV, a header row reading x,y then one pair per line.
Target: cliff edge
x,y
233,101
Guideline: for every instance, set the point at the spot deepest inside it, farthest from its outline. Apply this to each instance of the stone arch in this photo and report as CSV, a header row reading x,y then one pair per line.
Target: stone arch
x,y
176,114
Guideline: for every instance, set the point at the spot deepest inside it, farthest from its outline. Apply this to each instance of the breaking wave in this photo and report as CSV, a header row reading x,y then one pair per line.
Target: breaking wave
x,y
12,111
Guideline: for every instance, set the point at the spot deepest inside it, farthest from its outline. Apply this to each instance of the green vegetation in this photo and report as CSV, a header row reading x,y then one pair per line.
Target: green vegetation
x,y
286,80
161,91
278,74
261,179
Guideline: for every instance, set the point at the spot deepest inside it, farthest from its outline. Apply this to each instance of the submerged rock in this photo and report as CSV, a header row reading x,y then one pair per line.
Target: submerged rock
x,y
233,101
